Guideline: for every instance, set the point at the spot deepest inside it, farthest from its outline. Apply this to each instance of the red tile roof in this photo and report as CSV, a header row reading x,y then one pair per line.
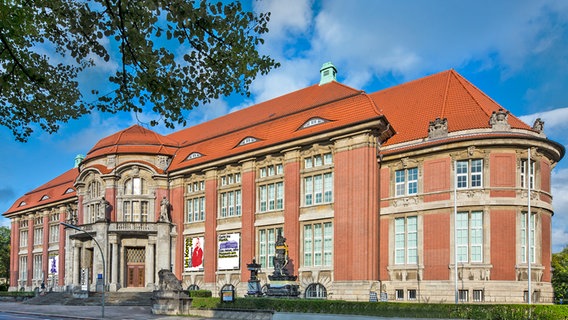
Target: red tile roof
x,y
135,139
410,107
55,190
290,103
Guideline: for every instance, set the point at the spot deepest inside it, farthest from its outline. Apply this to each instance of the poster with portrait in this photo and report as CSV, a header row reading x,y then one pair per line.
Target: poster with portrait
x,y
53,263
228,253
193,254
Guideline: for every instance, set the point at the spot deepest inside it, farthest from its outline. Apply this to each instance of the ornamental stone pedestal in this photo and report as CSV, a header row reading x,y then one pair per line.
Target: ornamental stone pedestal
x,y
282,283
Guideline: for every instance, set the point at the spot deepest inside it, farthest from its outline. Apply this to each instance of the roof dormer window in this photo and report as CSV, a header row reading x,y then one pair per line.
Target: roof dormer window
x,y
23,203
45,197
194,155
69,190
313,122
247,140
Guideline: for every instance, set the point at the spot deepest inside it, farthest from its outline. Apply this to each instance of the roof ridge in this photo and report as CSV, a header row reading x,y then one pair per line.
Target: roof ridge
x,y
462,80
447,89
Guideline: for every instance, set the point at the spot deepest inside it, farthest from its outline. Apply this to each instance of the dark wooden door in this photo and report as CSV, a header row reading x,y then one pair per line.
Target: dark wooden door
x,y
135,275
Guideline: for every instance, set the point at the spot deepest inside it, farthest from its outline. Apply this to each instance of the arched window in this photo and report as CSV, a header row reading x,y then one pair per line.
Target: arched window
x,y
193,287
316,291
92,202
135,186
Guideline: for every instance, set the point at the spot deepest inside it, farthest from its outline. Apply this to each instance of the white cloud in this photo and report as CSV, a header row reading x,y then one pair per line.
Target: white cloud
x,y
560,203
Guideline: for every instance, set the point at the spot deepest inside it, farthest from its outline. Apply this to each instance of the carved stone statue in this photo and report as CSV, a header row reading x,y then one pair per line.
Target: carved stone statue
x,y
500,120
438,128
164,210
538,125
168,281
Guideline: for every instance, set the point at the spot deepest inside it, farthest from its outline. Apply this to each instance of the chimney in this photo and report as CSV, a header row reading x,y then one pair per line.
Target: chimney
x,y
78,159
328,73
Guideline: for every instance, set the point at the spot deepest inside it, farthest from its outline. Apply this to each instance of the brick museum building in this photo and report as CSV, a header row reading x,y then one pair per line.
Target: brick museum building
x,y
420,192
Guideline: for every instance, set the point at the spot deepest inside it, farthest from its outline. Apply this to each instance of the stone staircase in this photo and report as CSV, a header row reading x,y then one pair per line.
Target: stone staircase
x,y
126,298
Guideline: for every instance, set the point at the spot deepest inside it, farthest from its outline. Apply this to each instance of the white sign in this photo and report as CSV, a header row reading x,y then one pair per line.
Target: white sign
x,y
228,253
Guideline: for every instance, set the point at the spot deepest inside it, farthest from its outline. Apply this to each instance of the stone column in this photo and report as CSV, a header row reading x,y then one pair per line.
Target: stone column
x,y
76,265
114,286
150,262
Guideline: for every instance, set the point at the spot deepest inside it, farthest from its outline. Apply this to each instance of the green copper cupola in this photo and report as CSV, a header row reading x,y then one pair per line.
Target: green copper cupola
x,y
328,73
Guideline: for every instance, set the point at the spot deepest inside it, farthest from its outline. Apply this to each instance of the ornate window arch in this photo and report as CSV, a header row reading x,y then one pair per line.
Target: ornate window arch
x,y
93,199
316,291
135,198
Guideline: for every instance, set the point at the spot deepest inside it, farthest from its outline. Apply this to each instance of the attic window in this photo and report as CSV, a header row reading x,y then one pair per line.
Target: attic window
x,y
247,140
313,122
194,155
69,190
23,203
45,197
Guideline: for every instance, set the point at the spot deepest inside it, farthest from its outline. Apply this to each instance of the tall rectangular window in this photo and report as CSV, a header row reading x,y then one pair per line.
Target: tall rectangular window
x,y
38,236
23,267
53,233
524,242
195,209
37,267
230,195
230,203
266,245
318,179
318,244
469,173
406,182
469,229
524,170
23,238
406,240
271,196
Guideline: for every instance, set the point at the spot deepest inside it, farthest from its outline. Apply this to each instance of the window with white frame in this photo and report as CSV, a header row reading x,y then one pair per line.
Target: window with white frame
x,y
135,200
469,173
524,170
266,245
469,229
478,295
92,201
23,238
53,233
316,291
195,202
271,188
399,294
318,179
38,236
463,295
37,267
411,294
318,244
531,232
230,196
406,240
406,182
23,268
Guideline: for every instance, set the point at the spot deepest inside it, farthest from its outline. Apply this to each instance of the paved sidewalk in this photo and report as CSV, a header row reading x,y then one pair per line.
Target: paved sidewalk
x,y
86,312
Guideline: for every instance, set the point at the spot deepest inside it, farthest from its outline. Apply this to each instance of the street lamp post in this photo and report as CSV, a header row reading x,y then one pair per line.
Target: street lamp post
x,y
67,225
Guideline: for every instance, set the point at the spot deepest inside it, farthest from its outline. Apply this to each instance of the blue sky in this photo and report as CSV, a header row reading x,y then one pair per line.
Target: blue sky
x,y
514,51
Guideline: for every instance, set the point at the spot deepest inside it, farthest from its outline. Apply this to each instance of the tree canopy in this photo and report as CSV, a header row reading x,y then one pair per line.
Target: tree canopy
x,y
4,252
560,274
166,56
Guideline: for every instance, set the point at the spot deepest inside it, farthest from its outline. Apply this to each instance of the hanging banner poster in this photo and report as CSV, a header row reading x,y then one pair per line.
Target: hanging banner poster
x,y
228,255
193,254
53,263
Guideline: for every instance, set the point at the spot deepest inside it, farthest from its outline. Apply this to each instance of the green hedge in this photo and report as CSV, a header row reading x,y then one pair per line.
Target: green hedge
x,y
29,294
392,309
199,293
